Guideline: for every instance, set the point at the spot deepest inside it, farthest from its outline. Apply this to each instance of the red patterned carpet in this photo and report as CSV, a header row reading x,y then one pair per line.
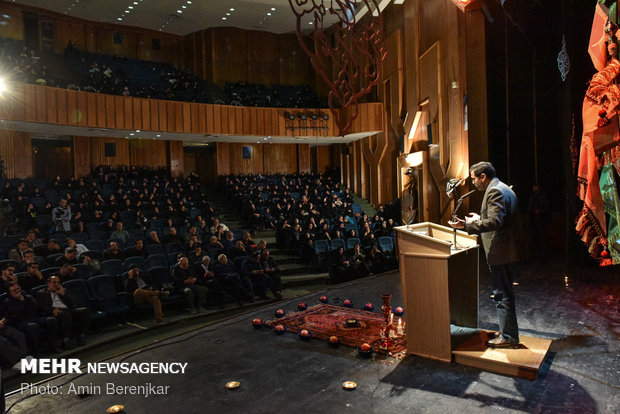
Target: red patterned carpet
x,y
327,320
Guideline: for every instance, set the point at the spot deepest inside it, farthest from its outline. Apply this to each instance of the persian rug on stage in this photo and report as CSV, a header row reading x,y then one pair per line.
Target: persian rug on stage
x,y
327,320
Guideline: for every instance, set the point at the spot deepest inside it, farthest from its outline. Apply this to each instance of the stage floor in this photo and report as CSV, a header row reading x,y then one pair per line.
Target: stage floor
x,y
284,374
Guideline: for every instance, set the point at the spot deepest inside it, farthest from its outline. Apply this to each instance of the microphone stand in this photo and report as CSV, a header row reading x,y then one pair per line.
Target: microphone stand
x,y
458,205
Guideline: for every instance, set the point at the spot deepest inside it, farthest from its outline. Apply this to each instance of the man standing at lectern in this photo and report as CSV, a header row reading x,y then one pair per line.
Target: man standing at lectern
x,y
496,226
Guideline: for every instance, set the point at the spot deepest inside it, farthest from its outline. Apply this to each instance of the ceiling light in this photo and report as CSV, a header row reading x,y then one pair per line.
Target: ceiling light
x,y
231,9
189,2
227,14
126,11
273,9
120,18
135,2
268,14
184,7
223,18
131,134
179,11
130,7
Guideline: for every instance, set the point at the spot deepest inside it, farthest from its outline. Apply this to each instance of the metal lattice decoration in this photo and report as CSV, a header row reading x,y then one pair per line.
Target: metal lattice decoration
x,y
351,53
563,61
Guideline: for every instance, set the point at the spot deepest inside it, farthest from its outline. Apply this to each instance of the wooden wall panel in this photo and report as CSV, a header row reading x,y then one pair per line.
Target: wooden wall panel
x,y
81,156
43,104
15,27
279,158
239,165
97,152
230,59
323,158
295,65
262,49
303,158
223,158
175,158
147,153
16,152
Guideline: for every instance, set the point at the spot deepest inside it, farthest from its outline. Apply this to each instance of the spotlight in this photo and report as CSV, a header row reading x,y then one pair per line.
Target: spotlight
x,y
314,116
289,116
303,116
325,117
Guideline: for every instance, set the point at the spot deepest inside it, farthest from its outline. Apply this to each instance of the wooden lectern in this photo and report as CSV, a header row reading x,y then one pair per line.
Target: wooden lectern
x,y
439,284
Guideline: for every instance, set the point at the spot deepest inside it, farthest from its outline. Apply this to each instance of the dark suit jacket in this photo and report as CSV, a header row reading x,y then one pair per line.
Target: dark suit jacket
x,y
496,227
44,299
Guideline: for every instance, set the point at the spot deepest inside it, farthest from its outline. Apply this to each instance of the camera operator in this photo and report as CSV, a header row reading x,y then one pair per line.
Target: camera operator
x,y
62,217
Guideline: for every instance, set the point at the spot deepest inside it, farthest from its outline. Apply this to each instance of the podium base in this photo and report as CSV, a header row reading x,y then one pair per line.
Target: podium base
x,y
523,362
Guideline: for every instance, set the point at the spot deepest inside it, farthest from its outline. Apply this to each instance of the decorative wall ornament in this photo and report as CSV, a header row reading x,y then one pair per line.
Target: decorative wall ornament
x,y
349,57
563,60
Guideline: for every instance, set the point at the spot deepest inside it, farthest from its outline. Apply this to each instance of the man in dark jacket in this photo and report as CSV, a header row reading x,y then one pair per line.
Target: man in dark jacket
x,y
185,282
55,302
496,227
23,313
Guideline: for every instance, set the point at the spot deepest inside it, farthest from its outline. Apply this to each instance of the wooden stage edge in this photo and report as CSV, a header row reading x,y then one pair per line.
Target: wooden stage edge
x,y
523,362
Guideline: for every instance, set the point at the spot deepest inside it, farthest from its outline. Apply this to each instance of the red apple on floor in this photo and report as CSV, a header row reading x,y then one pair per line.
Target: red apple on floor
x,y
304,332
280,313
257,322
302,306
333,339
323,299
347,303
365,347
369,306
279,329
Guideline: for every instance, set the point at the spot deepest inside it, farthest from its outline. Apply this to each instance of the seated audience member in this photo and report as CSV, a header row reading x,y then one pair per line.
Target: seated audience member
x,y
226,273
203,271
29,257
17,254
79,249
193,243
272,271
173,237
341,266
8,275
66,272
187,284
214,243
32,278
52,248
220,233
137,250
195,255
23,313
113,252
153,238
33,239
253,270
216,223
238,251
70,257
72,321
203,229
229,241
376,259
247,241
144,292
119,234
358,262
12,345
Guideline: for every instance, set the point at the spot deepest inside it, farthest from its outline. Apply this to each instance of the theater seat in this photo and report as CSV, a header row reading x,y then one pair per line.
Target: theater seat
x,y
105,296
